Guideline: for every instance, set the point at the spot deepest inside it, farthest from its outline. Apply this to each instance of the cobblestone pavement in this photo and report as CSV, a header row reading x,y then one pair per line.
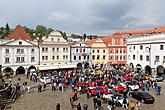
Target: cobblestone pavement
x,y
47,99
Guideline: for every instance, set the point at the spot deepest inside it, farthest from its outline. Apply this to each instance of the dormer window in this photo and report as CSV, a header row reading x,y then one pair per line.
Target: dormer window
x,y
58,39
20,43
52,39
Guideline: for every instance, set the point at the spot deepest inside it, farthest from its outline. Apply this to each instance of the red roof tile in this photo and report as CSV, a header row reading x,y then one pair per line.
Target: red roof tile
x,y
88,42
107,40
19,33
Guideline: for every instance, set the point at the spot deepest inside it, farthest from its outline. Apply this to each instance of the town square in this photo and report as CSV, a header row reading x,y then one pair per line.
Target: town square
x,y
82,55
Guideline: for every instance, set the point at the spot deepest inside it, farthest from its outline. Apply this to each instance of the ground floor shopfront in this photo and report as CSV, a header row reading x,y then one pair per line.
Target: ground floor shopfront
x,y
27,69
157,69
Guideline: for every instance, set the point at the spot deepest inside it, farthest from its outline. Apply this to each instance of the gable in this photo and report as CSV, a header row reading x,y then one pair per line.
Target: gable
x,y
19,42
98,43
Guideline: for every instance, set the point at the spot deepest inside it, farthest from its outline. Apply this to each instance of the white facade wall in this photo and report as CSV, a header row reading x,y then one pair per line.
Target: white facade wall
x,y
54,46
78,51
151,41
12,46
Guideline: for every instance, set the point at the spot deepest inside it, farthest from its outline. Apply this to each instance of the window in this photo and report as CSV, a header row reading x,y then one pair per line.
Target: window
x,y
43,49
104,57
22,59
124,57
58,39
93,51
120,51
22,50
116,51
161,47
63,49
7,60
111,51
32,59
57,49
83,50
52,39
20,43
120,57
63,56
74,57
157,58
76,50
111,58
7,50
88,57
103,51
43,57
57,57
46,49
147,58
32,50
93,57
116,57
141,47
98,51
52,49
84,57
66,49
18,50
134,47
164,59
53,57
79,57
46,58
123,51
98,57
133,57
18,59
141,57
66,56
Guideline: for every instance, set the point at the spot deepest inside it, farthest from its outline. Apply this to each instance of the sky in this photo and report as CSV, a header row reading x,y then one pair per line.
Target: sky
x,y
96,17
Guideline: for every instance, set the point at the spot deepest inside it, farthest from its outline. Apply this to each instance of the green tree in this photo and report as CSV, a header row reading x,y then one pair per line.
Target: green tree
x,y
7,27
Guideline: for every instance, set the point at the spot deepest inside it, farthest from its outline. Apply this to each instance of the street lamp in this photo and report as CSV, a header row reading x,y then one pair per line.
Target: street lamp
x,y
149,50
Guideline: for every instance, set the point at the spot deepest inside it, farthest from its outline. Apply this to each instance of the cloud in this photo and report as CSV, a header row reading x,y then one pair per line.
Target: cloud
x,y
60,16
85,16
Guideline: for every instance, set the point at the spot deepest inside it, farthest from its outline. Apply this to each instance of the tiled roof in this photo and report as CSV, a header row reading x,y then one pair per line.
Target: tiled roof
x,y
155,30
19,33
89,42
107,40
159,29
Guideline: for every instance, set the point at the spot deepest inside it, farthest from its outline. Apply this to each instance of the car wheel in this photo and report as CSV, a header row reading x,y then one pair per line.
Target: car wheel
x,y
142,100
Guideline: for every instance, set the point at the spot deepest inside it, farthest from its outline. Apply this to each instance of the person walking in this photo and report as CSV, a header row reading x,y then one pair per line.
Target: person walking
x,y
57,106
78,106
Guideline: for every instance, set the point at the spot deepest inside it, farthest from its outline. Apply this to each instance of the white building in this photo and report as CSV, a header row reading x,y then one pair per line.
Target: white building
x,y
55,52
147,51
17,53
81,55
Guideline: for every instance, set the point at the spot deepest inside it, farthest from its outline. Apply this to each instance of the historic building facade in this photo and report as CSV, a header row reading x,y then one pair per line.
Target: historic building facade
x,y
81,54
17,53
145,50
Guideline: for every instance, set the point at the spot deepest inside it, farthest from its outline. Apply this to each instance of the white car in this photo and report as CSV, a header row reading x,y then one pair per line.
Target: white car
x,y
133,86
156,78
45,80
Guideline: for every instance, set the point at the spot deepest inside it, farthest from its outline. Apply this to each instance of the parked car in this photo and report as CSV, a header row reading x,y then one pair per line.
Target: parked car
x,y
133,86
142,96
45,80
156,78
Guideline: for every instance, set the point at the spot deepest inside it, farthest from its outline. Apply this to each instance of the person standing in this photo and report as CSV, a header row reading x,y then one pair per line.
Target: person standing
x,y
57,106
28,88
78,106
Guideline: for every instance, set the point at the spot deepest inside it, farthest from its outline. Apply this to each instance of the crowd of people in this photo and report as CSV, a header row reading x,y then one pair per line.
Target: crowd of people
x,y
96,86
